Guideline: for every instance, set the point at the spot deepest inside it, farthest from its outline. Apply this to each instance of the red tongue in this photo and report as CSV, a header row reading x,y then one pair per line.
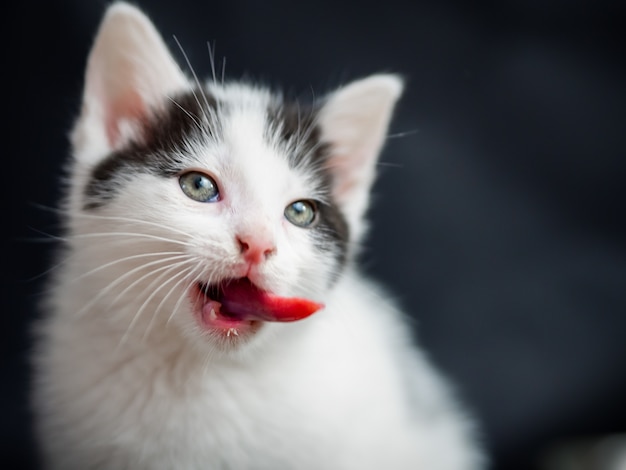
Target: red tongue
x,y
243,300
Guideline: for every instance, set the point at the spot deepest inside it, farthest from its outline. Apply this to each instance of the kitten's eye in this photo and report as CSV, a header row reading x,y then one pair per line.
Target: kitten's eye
x,y
301,213
199,187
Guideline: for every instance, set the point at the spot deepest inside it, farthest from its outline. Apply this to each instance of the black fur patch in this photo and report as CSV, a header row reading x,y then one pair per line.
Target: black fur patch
x,y
334,227
294,121
298,123
162,135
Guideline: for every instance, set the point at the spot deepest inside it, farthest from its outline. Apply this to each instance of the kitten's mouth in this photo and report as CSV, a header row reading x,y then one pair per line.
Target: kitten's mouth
x,y
236,303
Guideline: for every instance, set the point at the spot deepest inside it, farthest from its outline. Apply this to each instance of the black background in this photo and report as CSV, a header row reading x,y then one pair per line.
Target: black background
x,y
499,216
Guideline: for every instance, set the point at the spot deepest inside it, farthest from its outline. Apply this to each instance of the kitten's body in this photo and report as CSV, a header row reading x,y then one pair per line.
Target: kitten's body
x,y
133,373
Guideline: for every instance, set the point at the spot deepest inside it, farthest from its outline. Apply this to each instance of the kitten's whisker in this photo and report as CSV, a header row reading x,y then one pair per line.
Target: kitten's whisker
x,y
113,219
103,292
198,84
147,236
48,236
132,240
178,254
146,302
44,273
212,59
156,310
191,116
133,221
193,279
304,132
120,238
48,239
145,276
389,165
403,134
54,267
43,207
185,278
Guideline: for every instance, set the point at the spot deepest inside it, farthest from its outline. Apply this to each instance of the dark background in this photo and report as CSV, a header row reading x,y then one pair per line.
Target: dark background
x,y
499,219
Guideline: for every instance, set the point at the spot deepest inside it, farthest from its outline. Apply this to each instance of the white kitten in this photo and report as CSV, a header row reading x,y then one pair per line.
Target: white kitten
x,y
202,222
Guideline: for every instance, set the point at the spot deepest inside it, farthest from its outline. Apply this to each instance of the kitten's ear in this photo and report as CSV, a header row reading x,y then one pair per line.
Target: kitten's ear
x,y
354,121
128,70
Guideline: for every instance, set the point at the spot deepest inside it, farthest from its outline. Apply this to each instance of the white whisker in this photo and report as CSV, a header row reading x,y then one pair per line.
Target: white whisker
x,y
128,234
193,279
182,273
402,134
47,237
52,268
390,165
198,84
177,255
147,275
132,221
191,116
212,59
116,282
144,305
187,272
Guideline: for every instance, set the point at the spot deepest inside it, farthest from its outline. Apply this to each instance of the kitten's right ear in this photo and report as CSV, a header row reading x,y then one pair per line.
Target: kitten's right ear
x,y
129,70
354,121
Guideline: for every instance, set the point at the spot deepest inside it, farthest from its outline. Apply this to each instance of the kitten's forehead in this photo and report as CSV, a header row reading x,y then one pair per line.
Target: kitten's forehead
x,y
253,118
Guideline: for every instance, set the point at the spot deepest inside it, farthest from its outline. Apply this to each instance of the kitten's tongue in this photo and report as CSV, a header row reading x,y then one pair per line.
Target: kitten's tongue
x,y
241,300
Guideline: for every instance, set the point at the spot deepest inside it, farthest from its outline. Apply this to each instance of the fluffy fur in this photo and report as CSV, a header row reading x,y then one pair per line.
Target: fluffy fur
x,y
127,377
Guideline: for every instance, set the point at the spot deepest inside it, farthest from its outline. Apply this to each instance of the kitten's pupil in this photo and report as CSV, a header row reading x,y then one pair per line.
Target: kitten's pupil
x,y
199,187
301,213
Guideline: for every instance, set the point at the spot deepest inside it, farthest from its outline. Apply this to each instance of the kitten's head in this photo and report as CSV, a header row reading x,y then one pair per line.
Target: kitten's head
x,y
183,193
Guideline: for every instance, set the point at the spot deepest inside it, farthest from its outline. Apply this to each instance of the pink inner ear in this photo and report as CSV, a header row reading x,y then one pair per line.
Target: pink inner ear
x,y
127,108
348,172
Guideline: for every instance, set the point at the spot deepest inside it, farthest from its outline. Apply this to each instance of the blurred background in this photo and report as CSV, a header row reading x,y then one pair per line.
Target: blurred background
x,y
499,217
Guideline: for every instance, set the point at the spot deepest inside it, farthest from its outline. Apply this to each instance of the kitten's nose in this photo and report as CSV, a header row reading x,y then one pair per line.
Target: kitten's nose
x,y
255,249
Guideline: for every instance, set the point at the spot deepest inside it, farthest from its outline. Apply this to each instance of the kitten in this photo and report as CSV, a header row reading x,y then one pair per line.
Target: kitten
x,y
209,313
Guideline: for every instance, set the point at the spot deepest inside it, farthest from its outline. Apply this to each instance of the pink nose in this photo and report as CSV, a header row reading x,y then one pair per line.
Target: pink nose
x,y
255,250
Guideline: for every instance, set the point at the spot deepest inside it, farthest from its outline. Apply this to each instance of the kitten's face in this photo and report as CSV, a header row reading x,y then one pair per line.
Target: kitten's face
x,y
205,196
192,204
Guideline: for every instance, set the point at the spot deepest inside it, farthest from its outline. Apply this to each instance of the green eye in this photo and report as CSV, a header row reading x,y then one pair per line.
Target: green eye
x,y
199,187
301,213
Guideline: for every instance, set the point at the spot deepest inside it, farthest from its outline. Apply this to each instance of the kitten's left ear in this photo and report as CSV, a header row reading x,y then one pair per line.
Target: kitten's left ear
x,y
354,121
128,71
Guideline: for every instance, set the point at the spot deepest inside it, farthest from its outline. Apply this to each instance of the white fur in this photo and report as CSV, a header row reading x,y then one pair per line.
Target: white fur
x,y
126,378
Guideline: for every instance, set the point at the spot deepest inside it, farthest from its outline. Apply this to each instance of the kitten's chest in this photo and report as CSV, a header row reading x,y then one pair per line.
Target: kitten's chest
x,y
219,413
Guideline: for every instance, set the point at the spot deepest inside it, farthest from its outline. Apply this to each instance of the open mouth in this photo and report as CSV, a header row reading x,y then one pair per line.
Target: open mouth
x,y
238,303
